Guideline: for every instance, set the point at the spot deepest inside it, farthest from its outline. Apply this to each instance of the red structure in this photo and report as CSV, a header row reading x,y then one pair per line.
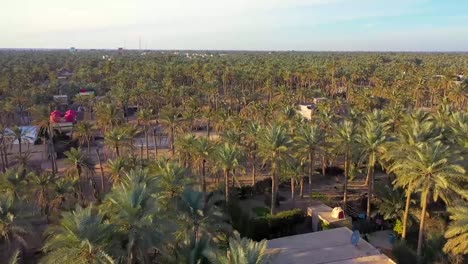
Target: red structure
x,y
55,116
70,116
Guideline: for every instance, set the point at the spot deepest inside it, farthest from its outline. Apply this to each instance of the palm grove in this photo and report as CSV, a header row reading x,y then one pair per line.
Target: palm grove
x,y
227,117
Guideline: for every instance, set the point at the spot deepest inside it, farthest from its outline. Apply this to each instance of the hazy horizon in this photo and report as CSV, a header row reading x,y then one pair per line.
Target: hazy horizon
x,y
262,25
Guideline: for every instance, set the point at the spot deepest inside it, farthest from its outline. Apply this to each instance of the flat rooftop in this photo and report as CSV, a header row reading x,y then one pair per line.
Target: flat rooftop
x,y
329,246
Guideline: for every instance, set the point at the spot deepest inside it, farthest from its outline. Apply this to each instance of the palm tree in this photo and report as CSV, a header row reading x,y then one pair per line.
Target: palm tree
x,y
79,160
83,236
145,116
251,134
295,171
43,183
345,141
11,231
118,167
274,145
371,140
13,181
457,232
84,132
242,251
392,202
202,150
172,179
19,134
417,128
117,138
108,116
434,169
309,139
134,212
185,148
62,189
169,118
198,218
228,159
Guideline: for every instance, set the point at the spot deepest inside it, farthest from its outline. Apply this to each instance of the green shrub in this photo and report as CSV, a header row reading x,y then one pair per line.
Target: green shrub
x,y
398,228
404,254
245,192
266,226
261,211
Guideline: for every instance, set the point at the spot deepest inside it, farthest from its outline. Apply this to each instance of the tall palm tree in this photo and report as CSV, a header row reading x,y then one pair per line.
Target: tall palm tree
x,y
170,117
117,138
108,116
309,140
251,134
274,145
202,150
295,171
43,182
457,232
185,149
84,132
83,236
417,128
11,232
345,141
371,139
20,135
79,160
199,218
228,159
434,169
145,116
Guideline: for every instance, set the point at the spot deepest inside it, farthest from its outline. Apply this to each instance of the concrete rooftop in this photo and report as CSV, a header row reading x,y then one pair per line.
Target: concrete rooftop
x,y
329,246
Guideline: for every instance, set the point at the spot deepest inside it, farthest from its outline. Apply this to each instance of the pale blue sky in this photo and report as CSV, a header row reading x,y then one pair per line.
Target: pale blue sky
x,y
408,25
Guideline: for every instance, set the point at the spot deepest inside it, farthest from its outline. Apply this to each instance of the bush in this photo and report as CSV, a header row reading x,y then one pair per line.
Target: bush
x,y
261,211
398,228
267,226
244,192
404,254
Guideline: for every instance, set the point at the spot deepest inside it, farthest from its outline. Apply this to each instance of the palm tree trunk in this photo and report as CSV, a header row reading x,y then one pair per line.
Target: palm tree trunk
x,y
147,143
301,188
293,192
101,169
405,215
324,164
370,175
204,179
254,169
19,145
345,194
226,185
421,223
172,141
311,170
273,192
117,151
155,145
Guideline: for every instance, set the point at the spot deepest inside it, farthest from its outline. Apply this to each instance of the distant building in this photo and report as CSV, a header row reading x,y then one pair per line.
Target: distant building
x,y
306,110
72,49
